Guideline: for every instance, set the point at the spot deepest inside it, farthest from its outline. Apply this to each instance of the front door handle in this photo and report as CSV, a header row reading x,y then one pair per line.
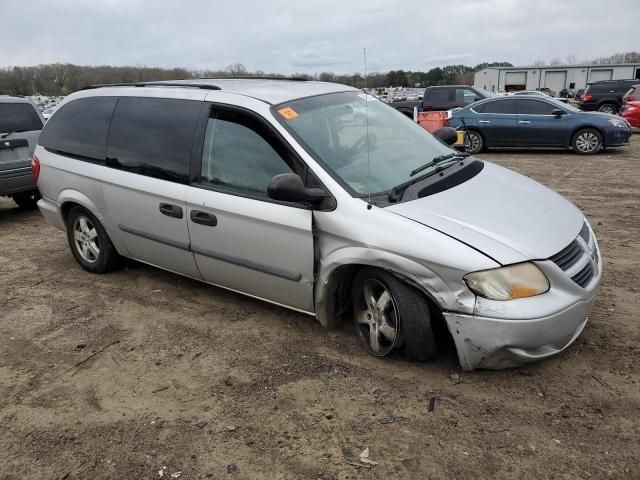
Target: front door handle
x,y
484,121
203,218
170,210
524,121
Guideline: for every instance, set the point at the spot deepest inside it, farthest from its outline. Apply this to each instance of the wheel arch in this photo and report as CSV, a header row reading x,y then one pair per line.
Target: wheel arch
x,y
334,282
586,127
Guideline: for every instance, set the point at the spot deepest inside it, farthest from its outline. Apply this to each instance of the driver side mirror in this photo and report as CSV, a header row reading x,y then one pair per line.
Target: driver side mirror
x,y
288,187
558,112
447,134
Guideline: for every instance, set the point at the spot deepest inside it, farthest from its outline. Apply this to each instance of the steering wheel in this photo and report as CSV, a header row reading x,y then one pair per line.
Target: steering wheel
x,y
360,145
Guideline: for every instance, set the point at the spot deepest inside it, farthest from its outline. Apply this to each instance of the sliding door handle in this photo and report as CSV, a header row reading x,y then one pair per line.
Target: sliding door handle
x,y
170,210
203,218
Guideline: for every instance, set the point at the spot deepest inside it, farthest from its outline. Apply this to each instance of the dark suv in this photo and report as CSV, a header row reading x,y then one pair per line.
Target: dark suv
x,y
20,126
605,96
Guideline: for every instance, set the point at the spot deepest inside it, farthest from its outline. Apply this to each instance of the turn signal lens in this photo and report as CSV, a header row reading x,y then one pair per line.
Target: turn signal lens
x,y
508,283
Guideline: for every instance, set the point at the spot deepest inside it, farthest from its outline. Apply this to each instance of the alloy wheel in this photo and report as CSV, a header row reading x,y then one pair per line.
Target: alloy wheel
x,y
472,142
377,318
587,142
85,236
607,109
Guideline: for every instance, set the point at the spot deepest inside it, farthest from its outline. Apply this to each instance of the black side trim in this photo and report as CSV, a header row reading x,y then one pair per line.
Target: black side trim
x,y
15,172
276,272
155,238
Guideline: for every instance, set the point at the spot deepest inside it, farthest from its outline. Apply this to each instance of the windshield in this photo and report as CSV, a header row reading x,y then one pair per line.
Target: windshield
x,y
333,128
486,92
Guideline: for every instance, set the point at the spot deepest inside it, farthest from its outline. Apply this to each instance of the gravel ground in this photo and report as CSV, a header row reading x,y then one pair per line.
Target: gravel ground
x,y
142,374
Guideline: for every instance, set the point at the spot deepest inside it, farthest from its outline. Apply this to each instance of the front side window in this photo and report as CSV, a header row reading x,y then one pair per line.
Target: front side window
x,y
153,137
504,107
535,107
465,96
18,117
240,154
80,128
368,157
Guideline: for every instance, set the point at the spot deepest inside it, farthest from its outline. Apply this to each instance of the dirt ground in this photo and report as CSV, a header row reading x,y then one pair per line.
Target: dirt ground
x,y
141,374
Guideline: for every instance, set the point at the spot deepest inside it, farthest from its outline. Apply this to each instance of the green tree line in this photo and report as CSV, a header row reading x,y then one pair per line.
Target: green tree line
x,y
62,79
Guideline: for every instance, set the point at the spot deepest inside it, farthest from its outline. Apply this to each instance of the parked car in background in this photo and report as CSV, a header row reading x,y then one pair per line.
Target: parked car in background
x,y
547,91
443,98
605,96
20,126
256,186
630,111
578,95
632,95
47,112
567,93
534,122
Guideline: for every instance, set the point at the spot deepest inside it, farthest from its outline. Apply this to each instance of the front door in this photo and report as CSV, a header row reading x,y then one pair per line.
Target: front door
x,y
241,239
538,127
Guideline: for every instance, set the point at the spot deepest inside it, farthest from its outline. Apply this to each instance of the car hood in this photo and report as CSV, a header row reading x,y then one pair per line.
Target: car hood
x,y
503,214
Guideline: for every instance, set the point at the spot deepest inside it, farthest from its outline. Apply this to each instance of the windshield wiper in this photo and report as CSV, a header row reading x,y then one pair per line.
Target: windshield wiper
x,y
437,160
394,193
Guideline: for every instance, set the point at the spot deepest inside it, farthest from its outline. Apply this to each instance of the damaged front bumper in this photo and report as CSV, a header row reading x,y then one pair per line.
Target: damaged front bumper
x,y
496,343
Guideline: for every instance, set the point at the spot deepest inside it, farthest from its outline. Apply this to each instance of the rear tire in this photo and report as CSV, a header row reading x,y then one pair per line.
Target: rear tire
x,y
27,200
473,143
89,242
587,141
391,315
610,108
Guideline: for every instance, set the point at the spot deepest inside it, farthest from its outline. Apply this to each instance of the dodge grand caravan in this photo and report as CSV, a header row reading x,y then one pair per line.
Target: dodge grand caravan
x,y
270,188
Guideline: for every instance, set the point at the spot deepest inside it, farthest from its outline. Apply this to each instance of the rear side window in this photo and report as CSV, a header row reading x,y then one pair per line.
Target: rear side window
x,y
241,155
500,106
80,128
153,137
439,95
18,117
535,107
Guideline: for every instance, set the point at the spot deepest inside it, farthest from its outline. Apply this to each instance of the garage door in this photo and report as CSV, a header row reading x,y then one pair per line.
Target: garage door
x,y
555,81
598,75
515,81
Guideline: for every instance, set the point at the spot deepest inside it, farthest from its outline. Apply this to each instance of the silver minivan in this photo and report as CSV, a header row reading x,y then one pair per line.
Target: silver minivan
x,y
276,189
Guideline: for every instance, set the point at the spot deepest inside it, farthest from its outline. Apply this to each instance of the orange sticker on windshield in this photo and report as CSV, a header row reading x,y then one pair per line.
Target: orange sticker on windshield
x,y
288,113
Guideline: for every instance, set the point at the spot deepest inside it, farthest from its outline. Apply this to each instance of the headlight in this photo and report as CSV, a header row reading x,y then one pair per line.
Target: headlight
x,y
617,123
507,283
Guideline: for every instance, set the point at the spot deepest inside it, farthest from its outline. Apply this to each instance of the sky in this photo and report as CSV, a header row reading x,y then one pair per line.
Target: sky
x,y
293,36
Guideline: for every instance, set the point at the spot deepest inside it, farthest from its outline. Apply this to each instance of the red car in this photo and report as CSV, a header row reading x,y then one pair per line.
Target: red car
x,y
630,111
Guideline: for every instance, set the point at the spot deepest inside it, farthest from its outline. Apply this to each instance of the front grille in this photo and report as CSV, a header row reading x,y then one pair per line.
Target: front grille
x,y
584,276
568,256
575,252
584,233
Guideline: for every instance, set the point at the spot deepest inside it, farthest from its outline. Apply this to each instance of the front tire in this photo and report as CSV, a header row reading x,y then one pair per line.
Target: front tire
x,y
587,141
391,315
609,108
89,242
27,200
473,143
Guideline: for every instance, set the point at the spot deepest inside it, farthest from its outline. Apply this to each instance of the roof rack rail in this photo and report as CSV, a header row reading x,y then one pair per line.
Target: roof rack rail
x,y
257,77
203,86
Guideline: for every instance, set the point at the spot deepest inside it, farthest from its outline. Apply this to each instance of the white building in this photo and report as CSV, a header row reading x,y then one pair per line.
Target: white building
x,y
505,79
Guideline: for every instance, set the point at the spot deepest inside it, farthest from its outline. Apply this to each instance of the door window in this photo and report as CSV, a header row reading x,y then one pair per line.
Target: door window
x,y
464,96
242,155
500,106
18,117
535,107
439,96
153,137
